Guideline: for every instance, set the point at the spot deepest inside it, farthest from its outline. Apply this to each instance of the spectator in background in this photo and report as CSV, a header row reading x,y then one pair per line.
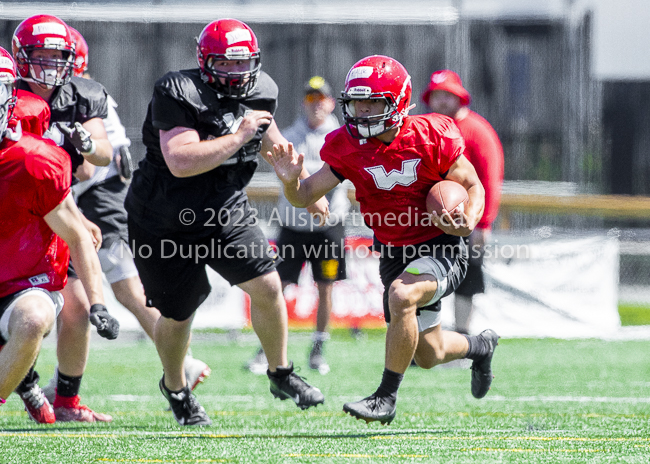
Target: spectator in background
x,y
300,233
446,95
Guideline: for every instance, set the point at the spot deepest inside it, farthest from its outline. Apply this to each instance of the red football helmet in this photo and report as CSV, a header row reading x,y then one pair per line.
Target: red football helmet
x,y
376,77
81,52
229,40
7,89
44,32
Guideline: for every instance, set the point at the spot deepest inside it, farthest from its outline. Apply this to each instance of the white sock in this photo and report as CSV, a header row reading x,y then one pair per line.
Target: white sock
x,y
320,336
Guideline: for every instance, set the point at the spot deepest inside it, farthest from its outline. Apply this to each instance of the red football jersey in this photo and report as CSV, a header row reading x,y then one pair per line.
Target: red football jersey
x,y
392,181
34,179
483,149
32,111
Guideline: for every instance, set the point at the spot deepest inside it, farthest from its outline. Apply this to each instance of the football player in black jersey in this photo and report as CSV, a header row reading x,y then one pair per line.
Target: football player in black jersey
x,y
44,52
203,130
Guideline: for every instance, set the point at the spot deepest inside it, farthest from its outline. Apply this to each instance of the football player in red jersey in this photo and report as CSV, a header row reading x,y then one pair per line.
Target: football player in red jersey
x,y
45,52
203,130
41,229
393,160
446,95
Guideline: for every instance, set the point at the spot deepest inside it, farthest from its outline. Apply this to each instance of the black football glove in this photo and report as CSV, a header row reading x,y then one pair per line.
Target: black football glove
x,y
78,136
107,326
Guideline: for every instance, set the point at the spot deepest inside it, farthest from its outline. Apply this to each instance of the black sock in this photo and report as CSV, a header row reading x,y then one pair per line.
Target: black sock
x,y
171,391
67,386
28,382
281,371
390,382
478,348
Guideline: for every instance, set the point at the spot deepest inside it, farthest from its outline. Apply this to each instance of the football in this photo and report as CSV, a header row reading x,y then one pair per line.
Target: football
x,y
446,194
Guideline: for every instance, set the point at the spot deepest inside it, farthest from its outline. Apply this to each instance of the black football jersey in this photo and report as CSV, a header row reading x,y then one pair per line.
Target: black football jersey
x,y
77,101
182,99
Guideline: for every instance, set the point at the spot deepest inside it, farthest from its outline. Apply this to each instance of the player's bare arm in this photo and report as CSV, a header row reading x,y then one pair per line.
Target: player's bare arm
x,y
85,171
462,223
95,232
318,209
187,155
68,223
288,165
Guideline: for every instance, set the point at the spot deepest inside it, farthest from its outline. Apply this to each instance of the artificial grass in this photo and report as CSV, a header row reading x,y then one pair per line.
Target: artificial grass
x,y
552,401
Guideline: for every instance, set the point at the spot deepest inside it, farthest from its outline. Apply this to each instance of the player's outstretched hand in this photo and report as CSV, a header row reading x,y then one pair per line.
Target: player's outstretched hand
x,y
252,122
107,326
286,162
78,136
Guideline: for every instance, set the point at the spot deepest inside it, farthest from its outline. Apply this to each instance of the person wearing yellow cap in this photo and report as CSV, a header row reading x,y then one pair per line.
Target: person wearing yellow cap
x,y
446,95
300,233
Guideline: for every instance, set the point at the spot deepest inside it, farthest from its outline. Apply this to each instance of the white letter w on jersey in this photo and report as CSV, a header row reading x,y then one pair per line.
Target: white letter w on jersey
x,y
405,177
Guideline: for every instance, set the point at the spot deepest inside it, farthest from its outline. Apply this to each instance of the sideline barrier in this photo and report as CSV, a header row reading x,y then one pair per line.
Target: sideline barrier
x,y
356,301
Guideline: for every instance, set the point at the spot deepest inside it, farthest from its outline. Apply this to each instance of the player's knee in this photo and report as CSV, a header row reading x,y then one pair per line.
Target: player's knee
x,y
74,314
400,300
34,320
266,292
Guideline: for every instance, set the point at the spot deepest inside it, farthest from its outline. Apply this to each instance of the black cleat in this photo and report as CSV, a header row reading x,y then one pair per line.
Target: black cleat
x,y
482,368
373,408
185,407
292,386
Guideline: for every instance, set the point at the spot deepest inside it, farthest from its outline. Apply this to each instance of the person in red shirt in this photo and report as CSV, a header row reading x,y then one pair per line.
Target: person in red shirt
x,y
446,95
393,160
40,229
32,111
44,51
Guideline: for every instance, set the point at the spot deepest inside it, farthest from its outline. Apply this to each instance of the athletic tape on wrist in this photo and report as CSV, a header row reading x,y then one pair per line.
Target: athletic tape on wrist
x,y
93,149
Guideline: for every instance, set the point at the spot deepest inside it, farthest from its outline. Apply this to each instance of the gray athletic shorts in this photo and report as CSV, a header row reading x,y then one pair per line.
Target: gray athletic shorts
x,y
117,262
7,304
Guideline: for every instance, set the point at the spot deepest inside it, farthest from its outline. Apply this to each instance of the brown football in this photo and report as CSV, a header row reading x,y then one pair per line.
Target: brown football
x,y
446,194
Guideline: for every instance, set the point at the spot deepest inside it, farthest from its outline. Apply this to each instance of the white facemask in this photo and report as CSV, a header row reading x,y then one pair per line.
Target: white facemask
x,y
47,77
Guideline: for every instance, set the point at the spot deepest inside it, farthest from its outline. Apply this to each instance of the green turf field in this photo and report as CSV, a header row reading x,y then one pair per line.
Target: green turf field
x,y
552,401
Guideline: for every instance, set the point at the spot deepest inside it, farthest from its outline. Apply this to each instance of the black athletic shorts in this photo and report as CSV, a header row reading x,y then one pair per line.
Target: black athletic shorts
x,y
173,271
474,281
450,253
72,274
325,250
103,204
